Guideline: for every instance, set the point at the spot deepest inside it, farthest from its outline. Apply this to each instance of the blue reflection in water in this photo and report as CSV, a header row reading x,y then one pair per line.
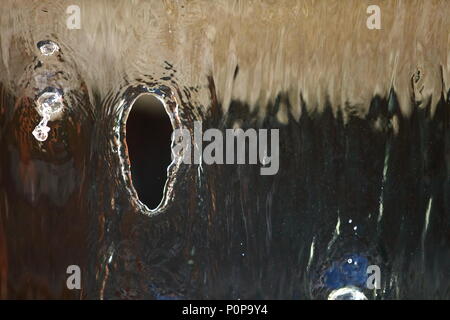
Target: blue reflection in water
x,y
352,271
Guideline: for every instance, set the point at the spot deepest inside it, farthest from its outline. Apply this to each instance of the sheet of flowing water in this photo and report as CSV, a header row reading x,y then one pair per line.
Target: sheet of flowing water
x,y
346,196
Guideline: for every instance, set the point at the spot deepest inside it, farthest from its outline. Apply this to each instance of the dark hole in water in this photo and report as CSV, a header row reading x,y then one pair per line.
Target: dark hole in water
x,y
148,138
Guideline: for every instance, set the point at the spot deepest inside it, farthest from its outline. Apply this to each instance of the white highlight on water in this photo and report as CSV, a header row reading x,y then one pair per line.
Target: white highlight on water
x,y
338,226
425,227
347,293
385,168
311,254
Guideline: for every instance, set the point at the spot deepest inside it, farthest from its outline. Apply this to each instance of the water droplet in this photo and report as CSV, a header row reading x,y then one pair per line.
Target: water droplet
x,y
350,220
47,47
355,227
347,293
51,101
349,260
41,132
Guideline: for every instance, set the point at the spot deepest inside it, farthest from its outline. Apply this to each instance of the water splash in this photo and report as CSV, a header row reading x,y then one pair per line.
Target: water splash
x,y
49,104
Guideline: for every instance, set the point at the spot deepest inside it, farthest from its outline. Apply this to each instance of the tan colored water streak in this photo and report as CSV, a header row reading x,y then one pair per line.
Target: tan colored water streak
x,y
319,49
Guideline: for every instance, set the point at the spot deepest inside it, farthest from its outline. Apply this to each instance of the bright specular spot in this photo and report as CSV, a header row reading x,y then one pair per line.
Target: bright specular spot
x,y
347,293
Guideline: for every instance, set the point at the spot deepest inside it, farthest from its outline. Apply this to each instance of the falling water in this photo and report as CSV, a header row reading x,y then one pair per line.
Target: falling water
x,y
364,146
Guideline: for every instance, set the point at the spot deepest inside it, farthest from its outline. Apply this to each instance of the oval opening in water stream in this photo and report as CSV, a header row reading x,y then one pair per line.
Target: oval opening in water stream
x,y
148,137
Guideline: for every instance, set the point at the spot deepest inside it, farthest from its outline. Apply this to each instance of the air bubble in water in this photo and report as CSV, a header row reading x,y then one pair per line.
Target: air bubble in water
x,y
47,47
51,101
347,293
